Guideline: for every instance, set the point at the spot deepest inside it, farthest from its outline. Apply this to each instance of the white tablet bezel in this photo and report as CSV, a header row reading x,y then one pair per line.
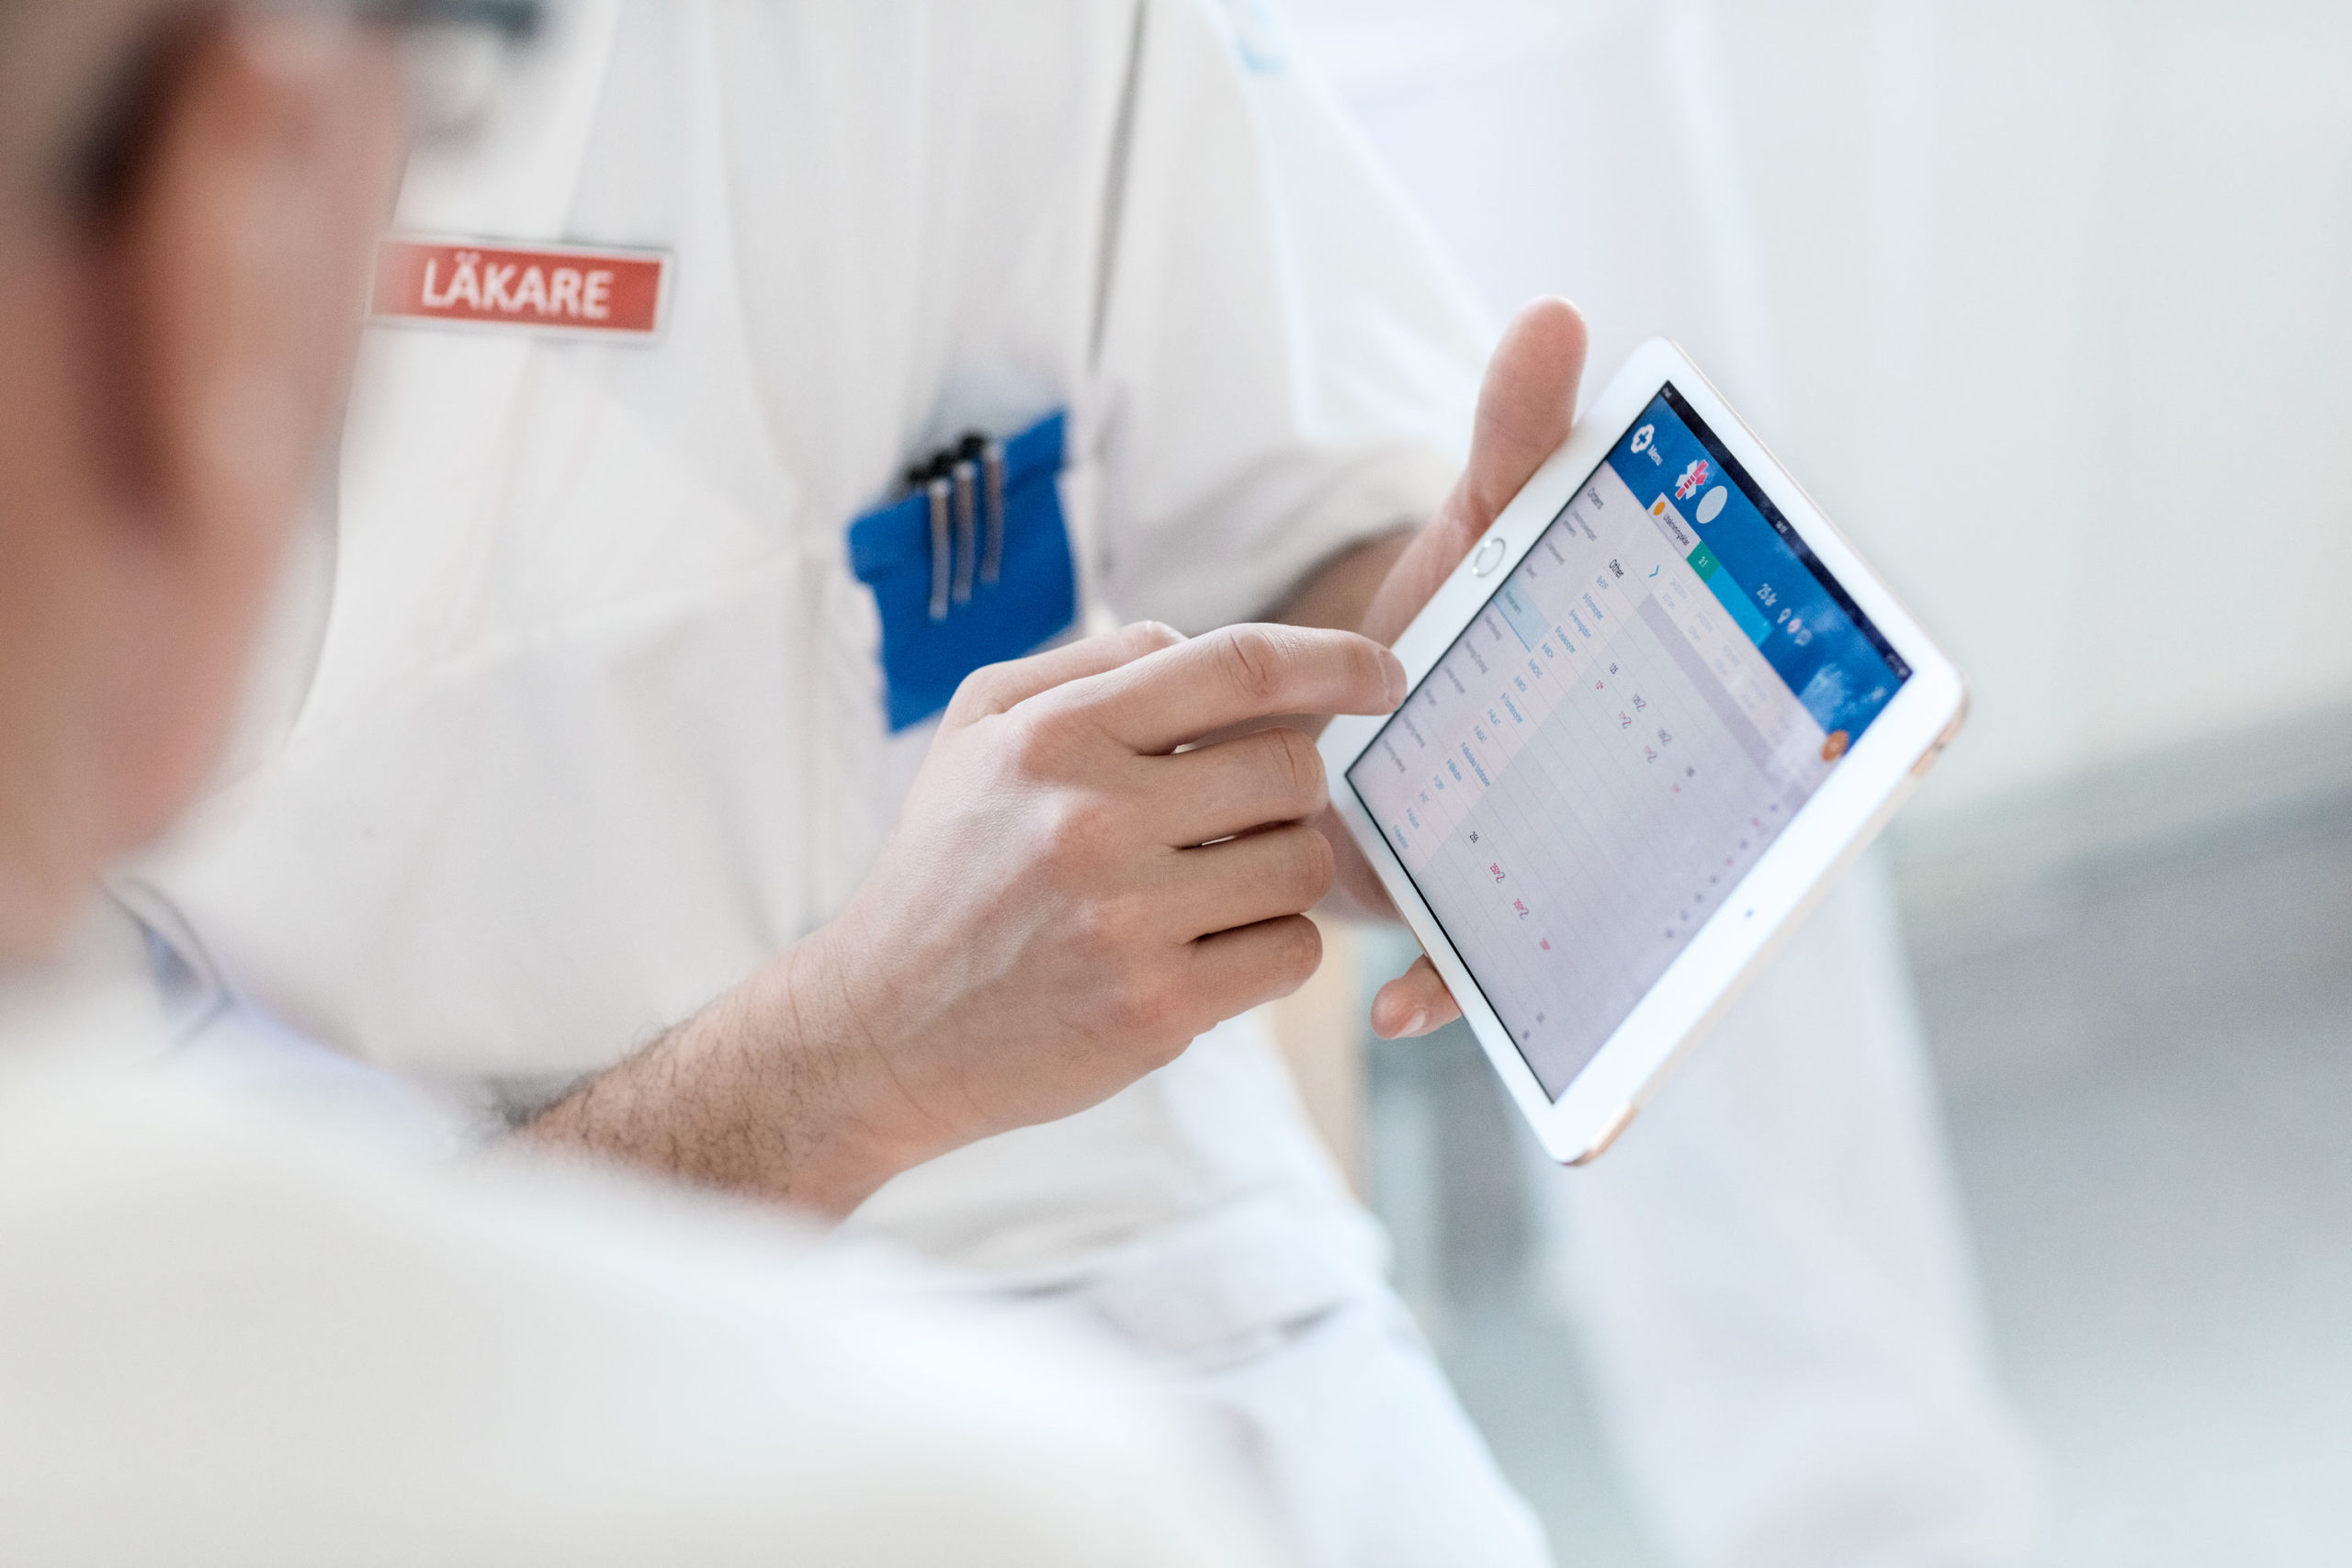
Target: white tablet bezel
x,y
1827,833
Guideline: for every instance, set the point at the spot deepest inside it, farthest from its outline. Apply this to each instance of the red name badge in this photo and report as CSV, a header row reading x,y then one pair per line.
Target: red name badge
x,y
559,288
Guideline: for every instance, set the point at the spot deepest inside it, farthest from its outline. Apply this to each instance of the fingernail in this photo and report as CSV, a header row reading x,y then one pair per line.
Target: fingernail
x,y
1394,669
1417,1023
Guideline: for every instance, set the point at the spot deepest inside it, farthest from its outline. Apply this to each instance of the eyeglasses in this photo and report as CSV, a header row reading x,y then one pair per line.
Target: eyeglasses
x,y
453,50
515,20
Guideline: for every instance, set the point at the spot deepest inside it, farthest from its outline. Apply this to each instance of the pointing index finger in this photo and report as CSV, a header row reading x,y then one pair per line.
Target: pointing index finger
x,y
1235,676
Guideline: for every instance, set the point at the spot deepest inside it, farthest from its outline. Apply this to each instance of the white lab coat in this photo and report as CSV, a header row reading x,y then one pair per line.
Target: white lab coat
x,y
224,1341
593,725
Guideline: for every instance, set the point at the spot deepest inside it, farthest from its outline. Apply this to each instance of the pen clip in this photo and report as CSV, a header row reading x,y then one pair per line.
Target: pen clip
x,y
967,545
992,470
943,551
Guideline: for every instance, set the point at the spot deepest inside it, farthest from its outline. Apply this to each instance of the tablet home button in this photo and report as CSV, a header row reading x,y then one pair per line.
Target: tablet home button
x,y
1489,556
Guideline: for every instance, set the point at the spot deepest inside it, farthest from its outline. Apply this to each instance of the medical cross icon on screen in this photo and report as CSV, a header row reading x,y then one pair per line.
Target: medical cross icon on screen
x,y
1693,477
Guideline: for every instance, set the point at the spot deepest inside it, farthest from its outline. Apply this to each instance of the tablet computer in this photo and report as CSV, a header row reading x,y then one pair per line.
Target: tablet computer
x,y
1654,712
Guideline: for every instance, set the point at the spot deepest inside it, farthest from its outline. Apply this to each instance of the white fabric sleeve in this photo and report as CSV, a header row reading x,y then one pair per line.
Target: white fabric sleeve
x,y
1287,366
223,1343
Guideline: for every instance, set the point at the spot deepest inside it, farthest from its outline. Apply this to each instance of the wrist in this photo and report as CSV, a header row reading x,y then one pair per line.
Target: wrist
x,y
847,1091
775,1090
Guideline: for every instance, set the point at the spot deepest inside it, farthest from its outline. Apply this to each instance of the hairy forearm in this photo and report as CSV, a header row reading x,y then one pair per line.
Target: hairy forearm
x,y
766,1092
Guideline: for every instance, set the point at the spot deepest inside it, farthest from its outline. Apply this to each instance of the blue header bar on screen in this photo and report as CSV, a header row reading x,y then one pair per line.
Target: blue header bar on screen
x,y
1840,667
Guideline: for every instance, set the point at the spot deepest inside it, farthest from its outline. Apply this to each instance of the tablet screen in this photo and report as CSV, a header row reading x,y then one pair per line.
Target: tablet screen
x,y
1633,716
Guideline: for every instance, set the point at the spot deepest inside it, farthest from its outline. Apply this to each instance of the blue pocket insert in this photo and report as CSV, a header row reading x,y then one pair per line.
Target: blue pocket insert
x,y
1034,599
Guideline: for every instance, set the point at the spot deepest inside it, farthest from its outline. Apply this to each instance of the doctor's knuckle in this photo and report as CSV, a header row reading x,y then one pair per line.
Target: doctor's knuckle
x,y
1106,931
1296,951
1307,865
976,693
1255,665
1037,745
1150,636
1147,1004
1295,768
1079,833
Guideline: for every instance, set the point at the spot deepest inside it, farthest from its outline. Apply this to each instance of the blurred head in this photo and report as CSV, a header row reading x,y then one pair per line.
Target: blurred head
x,y
189,195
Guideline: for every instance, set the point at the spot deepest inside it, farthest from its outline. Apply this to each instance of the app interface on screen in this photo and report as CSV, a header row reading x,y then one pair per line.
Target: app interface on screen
x,y
1635,715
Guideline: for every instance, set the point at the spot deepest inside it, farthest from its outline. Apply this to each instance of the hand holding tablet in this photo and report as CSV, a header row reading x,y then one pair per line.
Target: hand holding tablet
x,y
1654,711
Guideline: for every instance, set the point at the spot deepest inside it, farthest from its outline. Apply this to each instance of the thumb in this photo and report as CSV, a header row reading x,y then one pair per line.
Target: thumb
x,y
1524,411
1414,1003
1525,407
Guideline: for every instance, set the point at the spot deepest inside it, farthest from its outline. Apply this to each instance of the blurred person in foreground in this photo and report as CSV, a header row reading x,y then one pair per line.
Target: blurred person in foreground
x,y
222,1342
